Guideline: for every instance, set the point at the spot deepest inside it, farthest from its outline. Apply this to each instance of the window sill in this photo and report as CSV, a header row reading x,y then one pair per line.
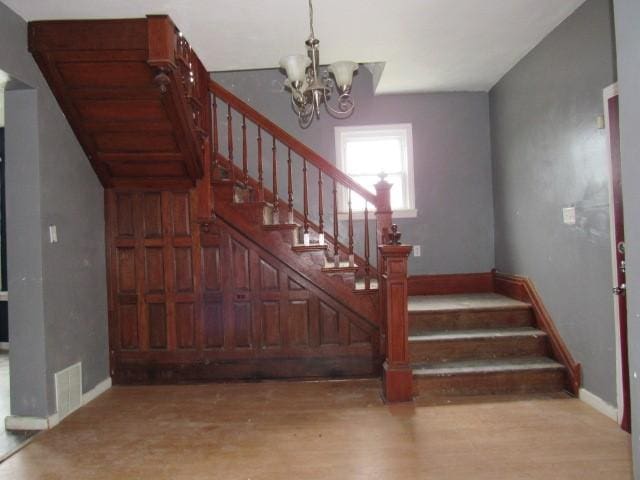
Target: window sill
x,y
408,213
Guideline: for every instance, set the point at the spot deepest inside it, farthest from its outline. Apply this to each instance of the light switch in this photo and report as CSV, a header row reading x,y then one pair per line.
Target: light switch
x,y
53,234
569,215
416,251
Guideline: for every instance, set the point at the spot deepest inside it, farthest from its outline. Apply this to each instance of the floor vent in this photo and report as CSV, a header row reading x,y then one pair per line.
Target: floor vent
x,y
68,390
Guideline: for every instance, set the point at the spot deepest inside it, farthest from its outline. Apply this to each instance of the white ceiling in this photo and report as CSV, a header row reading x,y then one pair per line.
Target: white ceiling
x,y
428,45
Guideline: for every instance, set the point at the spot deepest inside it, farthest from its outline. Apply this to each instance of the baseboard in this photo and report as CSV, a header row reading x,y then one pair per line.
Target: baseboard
x,y
16,422
599,404
96,391
4,346
448,284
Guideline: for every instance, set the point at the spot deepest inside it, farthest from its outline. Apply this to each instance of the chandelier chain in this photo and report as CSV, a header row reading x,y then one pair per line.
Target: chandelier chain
x,y
311,19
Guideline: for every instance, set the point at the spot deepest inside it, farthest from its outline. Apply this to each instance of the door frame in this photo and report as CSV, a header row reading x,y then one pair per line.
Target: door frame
x,y
608,93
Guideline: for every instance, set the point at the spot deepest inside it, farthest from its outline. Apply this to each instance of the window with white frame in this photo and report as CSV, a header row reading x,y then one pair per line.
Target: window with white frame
x,y
364,152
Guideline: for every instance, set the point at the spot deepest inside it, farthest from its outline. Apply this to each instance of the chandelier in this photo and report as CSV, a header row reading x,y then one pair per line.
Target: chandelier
x,y
311,88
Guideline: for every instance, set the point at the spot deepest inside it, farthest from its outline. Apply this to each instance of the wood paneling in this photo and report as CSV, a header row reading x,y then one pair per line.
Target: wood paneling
x,y
189,304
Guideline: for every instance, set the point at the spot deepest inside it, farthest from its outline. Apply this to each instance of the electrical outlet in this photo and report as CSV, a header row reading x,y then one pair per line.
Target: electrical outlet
x,y
416,250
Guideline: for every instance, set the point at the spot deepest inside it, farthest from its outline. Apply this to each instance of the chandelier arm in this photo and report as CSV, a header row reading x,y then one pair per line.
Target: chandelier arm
x,y
345,106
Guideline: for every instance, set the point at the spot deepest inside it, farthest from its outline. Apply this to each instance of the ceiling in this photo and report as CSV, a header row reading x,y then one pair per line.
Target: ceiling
x,y
426,45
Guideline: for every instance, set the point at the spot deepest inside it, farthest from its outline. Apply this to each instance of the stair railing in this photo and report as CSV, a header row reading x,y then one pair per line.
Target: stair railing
x,y
309,184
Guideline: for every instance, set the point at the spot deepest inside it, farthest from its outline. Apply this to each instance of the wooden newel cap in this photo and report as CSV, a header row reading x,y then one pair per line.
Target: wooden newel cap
x,y
395,250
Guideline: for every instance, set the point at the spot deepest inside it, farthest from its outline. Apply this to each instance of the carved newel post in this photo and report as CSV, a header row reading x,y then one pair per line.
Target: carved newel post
x,y
397,378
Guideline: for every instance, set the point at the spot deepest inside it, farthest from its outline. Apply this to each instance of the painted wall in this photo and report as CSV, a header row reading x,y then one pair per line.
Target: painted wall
x,y
548,154
451,156
57,307
627,13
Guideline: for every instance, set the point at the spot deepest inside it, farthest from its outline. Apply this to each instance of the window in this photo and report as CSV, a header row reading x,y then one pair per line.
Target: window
x,y
366,151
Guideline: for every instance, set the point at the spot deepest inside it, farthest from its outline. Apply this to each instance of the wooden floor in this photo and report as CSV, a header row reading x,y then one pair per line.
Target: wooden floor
x,y
328,430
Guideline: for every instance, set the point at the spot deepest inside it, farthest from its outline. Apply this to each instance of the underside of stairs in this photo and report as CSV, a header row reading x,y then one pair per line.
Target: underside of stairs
x,y
479,344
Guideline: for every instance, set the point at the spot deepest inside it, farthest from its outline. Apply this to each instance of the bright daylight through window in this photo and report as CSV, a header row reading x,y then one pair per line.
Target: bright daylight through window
x,y
364,152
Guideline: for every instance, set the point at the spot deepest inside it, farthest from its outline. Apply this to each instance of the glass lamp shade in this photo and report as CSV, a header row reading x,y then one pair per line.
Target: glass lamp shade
x,y
343,73
295,65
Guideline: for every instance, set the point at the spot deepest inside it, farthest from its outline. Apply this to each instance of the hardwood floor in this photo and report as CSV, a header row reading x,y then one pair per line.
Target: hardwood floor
x,y
321,430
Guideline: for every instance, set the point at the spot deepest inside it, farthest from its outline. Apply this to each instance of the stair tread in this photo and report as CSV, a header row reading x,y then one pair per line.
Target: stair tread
x,y
466,302
477,334
485,366
280,226
310,247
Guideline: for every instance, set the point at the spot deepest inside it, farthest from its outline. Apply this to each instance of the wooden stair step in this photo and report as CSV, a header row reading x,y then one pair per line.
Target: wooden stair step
x,y
360,284
489,376
466,312
477,344
280,226
313,247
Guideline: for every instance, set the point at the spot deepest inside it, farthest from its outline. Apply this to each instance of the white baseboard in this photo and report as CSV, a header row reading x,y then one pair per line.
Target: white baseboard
x,y
96,391
15,422
599,404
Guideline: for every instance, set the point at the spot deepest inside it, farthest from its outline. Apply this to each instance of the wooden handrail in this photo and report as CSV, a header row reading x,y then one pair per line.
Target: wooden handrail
x,y
295,145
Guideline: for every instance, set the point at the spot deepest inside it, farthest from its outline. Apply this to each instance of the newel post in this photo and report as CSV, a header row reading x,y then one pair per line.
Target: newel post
x,y
397,377
383,213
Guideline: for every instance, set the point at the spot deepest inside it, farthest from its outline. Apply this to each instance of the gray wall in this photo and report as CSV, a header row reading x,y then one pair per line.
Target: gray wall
x,y
451,155
627,13
548,154
57,292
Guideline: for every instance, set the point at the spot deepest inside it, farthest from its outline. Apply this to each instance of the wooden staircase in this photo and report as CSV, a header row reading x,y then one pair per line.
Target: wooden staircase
x,y
479,344
232,247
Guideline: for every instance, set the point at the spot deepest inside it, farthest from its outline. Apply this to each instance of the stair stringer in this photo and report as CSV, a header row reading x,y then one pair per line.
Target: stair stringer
x,y
277,243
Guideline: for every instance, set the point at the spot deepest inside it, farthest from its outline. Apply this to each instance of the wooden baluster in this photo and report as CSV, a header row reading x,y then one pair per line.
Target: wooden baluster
x,y
351,254
306,202
215,129
245,167
336,251
260,167
367,263
290,188
320,210
230,144
276,201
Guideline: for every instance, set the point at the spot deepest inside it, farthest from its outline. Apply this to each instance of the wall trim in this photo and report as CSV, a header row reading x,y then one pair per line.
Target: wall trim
x,y
17,422
598,404
522,288
447,284
96,391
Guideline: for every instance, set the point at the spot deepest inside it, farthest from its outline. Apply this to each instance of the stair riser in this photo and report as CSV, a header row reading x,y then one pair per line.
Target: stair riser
x,y
469,320
535,381
479,348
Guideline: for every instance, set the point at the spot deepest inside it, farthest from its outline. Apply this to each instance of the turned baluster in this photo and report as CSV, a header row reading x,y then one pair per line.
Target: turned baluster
x,y
276,209
351,255
336,252
230,144
306,202
320,210
260,167
215,129
367,263
289,188
245,167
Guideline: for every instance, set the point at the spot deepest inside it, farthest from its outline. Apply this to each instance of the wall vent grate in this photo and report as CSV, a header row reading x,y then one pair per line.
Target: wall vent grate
x,y
68,384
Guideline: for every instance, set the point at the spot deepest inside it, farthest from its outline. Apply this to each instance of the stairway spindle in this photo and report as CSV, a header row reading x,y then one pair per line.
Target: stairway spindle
x,y
320,210
260,167
230,145
367,263
276,201
336,252
351,254
306,202
245,166
214,120
289,188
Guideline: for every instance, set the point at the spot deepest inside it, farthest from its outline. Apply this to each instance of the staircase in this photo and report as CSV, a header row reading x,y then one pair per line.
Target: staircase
x,y
233,250
479,344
